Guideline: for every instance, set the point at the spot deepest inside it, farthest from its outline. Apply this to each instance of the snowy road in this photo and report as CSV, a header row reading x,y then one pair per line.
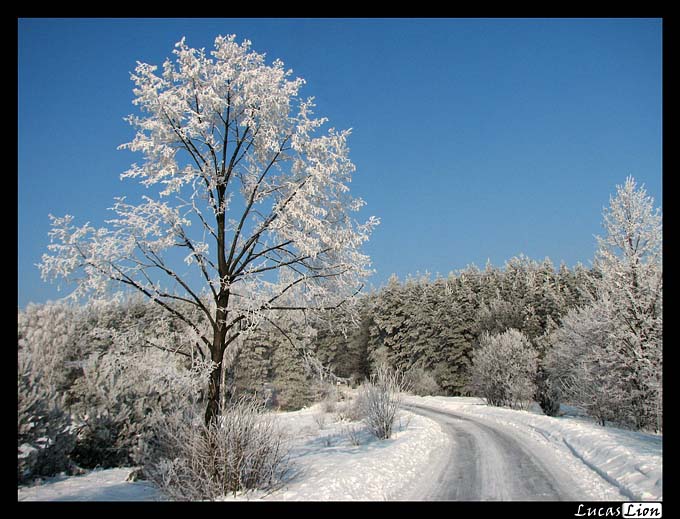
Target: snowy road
x,y
485,462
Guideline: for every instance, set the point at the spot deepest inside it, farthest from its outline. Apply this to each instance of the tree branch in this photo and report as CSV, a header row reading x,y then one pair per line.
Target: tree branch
x,y
249,205
158,262
252,257
131,282
268,221
177,351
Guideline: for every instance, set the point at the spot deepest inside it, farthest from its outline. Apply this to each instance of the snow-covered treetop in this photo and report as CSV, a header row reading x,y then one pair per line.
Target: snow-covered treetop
x,y
241,178
633,228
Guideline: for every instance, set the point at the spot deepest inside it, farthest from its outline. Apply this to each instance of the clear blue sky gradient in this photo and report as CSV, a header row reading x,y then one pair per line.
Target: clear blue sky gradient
x,y
473,139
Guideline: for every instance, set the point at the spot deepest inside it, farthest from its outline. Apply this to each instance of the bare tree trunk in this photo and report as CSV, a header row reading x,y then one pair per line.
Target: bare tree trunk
x,y
220,331
217,356
223,396
213,406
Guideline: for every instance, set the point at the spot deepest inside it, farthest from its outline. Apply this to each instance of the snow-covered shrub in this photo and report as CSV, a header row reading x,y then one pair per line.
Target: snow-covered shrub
x,y
504,369
353,433
124,396
351,410
132,384
105,367
330,401
422,382
48,341
404,421
320,420
291,395
44,438
50,335
583,366
244,449
380,398
329,405
548,394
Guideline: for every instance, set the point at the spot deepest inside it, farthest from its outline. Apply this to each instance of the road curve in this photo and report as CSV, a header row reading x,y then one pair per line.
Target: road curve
x,y
485,463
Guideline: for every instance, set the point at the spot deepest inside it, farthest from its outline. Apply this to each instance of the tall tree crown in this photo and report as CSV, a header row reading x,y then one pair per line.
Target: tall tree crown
x,y
632,229
241,179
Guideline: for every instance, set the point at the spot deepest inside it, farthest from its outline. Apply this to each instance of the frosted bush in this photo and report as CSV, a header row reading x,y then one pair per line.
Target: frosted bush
x,y
124,397
353,433
44,437
422,382
504,369
320,420
380,398
48,338
244,449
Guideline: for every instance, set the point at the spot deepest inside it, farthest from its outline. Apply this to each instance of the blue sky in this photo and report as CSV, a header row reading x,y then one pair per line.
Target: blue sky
x,y
474,139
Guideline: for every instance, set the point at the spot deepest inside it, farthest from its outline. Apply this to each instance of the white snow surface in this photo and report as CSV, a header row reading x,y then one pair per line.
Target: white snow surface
x,y
628,461
612,464
326,465
331,468
98,485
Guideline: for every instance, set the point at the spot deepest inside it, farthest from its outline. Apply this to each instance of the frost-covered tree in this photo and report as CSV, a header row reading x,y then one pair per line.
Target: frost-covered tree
x,y
292,383
580,364
630,287
632,243
435,324
607,356
498,315
94,384
242,180
341,343
129,392
504,369
575,286
421,326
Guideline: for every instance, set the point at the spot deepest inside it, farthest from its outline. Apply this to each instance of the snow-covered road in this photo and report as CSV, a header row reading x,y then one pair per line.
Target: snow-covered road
x,y
486,461
604,463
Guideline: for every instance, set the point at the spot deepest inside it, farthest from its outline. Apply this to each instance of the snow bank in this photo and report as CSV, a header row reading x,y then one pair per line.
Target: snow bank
x,y
631,461
331,467
98,485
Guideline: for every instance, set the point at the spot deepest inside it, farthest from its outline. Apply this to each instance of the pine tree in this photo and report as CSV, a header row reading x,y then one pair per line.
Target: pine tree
x,y
293,386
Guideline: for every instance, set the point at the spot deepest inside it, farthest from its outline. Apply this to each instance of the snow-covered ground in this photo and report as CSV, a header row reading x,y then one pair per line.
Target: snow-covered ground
x,y
331,459
629,461
332,467
338,460
98,485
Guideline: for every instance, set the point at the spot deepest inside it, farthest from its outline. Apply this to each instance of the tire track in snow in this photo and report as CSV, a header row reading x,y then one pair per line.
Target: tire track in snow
x,y
484,463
